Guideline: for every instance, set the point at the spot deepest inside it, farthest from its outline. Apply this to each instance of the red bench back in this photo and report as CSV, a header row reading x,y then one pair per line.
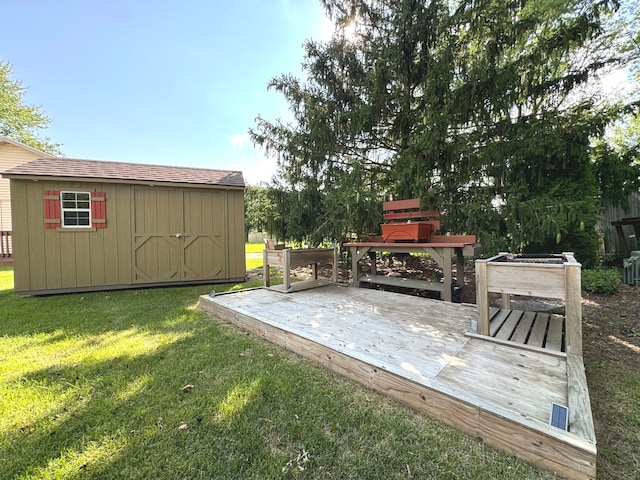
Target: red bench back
x,y
400,211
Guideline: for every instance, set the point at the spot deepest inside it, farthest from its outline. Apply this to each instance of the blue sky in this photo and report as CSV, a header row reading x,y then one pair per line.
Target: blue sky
x,y
172,83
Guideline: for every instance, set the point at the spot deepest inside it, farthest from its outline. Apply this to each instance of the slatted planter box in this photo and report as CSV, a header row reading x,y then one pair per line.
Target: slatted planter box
x,y
549,276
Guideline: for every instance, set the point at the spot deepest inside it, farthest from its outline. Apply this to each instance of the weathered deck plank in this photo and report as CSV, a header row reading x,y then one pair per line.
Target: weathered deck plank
x,y
497,320
539,330
534,329
522,330
417,350
509,325
554,334
501,371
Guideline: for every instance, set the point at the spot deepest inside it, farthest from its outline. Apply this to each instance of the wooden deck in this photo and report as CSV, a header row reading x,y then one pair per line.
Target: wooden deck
x,y
422,353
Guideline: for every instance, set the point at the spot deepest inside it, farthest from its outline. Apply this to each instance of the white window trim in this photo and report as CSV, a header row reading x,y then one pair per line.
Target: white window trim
x,y
62,209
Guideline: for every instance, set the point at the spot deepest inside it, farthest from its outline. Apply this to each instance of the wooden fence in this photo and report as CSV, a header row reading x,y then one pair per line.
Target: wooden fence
x,y
607,230
6,247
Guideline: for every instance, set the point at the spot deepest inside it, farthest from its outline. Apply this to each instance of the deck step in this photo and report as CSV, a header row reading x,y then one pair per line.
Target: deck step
x,y
402,282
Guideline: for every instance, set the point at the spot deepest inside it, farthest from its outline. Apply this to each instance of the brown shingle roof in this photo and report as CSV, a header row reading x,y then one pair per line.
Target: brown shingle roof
x,y
76,168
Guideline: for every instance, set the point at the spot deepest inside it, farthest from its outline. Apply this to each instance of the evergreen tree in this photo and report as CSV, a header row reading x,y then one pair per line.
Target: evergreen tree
x,y
478,107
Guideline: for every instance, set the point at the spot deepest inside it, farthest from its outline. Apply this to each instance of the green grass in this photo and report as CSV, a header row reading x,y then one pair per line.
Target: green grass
x,y
256,247
91,386
253,261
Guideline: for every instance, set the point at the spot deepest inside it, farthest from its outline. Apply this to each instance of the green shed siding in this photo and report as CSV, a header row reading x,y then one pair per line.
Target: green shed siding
x,y
236,234
153,235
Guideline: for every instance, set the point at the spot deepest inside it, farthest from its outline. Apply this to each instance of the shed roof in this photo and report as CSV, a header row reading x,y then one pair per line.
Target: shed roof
x,y
85,169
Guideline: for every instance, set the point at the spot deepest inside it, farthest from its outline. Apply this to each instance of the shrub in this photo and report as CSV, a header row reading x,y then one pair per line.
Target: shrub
x,y
601,280
612,259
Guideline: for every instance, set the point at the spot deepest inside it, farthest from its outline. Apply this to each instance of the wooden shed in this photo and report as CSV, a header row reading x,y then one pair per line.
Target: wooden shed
x,y
82,225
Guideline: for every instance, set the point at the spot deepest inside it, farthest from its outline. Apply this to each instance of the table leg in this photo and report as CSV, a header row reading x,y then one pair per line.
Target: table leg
x,y
372,258
459,267
447,275
354,267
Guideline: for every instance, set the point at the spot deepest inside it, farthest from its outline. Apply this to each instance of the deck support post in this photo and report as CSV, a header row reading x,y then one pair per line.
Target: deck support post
x,y
505,297
286,269
573,305
482,297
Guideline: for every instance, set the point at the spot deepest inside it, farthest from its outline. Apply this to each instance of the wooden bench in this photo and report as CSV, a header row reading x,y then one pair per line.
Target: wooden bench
x,y
405,221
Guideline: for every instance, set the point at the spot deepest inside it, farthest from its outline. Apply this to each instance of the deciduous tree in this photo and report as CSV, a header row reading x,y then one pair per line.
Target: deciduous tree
x,y
20,121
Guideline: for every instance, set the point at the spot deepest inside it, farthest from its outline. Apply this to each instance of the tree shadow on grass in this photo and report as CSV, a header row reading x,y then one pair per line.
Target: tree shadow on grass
x,y
107,406
96,312
122,416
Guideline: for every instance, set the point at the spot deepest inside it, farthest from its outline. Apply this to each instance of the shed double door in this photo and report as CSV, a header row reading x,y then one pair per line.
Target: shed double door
x,y
179,235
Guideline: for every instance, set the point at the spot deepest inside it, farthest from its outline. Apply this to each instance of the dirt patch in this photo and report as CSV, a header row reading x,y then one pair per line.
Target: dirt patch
x,y
612,326
611,350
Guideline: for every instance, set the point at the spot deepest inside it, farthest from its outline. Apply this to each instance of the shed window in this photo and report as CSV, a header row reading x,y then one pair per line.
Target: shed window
x,y
76,209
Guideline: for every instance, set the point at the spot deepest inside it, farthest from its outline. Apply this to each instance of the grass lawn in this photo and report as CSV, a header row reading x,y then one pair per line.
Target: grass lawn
x,y
255,247
254,257
138,384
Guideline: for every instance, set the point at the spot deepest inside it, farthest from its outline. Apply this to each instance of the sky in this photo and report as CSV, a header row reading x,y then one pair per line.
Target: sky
x,y
160,82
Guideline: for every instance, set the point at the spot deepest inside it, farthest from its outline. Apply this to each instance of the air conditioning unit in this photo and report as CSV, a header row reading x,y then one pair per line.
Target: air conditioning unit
x,y
631,268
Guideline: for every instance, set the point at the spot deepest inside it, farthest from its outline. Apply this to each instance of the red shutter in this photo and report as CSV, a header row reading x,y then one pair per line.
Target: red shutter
x,y
98,210
52,209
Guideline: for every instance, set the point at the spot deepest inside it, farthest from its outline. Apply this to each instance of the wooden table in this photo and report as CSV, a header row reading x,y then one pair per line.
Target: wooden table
x,y
287,258
440,248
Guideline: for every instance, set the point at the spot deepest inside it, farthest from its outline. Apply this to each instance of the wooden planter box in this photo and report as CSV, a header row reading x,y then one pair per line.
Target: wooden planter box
x,y
410,231
548,276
